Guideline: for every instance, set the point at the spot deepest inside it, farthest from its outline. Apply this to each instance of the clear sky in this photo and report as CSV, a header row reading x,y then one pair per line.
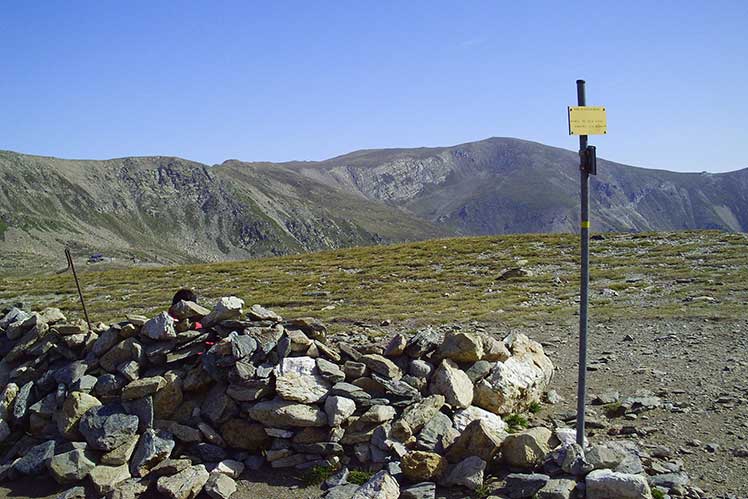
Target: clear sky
x,y
284,80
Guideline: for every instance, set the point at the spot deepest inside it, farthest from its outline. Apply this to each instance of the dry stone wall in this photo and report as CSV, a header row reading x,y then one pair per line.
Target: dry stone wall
x,y
154,403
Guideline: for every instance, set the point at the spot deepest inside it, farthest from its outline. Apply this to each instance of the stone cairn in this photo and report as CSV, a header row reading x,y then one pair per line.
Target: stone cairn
x,y
155,404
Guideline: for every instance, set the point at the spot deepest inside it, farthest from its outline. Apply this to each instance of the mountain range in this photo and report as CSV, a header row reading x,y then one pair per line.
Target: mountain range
x,y
171,210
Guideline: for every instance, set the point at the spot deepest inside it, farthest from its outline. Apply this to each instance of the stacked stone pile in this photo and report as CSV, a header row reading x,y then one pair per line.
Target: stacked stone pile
x,y
156,404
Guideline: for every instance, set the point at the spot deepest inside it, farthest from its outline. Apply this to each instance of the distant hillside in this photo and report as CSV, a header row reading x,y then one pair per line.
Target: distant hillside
x,y
503,185
169,210
155,210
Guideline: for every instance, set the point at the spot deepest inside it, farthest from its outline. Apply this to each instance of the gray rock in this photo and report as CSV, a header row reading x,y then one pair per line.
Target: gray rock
x,y
220,486
524,485
184,485
107,427
345,491
330,371
606,484
105,342
260,313
423,490
84,384
36,459
106,479
283,414
71,466
143,410
561,488
337,479
121,455
108,385
153,447
22,402
669,480
380,486
382,366
437,434
467,473
423,342
420,368
479,370
78,492
129,489
71,373
142,387
305,388
210,453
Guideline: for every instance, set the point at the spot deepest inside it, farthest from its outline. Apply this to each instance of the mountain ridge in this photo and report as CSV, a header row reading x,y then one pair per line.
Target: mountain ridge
x,y
166,209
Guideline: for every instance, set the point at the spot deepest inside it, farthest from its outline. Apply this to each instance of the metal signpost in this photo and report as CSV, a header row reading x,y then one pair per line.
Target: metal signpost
x,y
71,266
585,121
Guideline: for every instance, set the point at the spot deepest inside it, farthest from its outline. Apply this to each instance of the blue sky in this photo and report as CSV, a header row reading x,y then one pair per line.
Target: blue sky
x,y
310,80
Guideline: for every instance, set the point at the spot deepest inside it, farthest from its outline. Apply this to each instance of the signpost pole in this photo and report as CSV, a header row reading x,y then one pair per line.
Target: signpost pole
x,y
585,273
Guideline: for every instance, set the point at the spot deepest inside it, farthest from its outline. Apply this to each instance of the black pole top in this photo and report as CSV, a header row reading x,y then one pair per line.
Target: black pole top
x,y
580,81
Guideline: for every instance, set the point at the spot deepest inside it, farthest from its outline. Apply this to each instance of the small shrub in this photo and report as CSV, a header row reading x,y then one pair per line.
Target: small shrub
x,y
535,407
658,494
359,477
318,474
481,492
516,421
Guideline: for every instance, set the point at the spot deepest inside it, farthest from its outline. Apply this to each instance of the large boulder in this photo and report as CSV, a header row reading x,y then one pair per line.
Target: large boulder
x,y
514,384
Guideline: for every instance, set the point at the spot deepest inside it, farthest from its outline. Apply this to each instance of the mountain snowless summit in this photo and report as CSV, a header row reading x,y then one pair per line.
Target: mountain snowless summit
x,y
171,210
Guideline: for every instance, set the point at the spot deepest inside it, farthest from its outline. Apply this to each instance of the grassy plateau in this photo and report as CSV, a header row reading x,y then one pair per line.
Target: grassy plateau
x,y
644,275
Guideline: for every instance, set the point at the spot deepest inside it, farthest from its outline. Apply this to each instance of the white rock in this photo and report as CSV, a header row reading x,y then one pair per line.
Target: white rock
x,y
228,307
230,468
160,327
464,417
338,409
514,384
606,484
298,365
306,388
449,380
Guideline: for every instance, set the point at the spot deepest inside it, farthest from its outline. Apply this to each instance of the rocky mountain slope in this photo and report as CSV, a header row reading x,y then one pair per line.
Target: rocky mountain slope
x,y
164,209
503,185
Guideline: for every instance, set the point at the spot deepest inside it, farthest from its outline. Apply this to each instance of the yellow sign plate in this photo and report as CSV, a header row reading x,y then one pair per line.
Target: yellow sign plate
x,y
587,120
